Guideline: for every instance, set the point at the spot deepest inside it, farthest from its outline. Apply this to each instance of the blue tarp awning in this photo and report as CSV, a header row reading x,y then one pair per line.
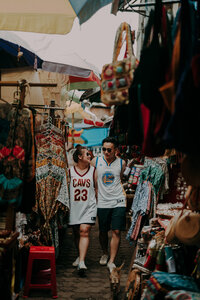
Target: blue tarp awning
x,y
94,136
9,56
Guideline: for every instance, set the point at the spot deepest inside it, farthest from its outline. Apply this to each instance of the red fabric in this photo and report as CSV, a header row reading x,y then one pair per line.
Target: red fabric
x,y
17,152
92,77
145,118
5,152
177,185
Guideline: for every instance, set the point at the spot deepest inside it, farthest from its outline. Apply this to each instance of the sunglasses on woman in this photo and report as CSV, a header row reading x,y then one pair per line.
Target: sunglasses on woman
x,y
107,149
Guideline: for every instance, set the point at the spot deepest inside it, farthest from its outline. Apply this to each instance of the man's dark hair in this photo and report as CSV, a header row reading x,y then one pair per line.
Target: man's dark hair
x,y
110,139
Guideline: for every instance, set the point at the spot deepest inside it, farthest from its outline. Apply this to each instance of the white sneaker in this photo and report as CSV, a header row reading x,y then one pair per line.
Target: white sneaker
x,y
82,266
104,259
111,266
76,262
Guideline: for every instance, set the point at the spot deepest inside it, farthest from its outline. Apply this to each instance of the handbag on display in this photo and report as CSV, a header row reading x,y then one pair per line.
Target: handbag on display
x,y
117,76
184,226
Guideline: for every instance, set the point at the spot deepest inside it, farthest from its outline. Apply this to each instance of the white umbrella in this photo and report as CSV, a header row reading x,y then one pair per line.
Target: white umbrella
x,y
47,16
55,58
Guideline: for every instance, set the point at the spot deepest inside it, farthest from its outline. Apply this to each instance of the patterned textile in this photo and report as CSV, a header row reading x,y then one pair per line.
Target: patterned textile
x,y
63,196
160,283
20,162
17,151
154,173
139,205
51,179
182,295
176,281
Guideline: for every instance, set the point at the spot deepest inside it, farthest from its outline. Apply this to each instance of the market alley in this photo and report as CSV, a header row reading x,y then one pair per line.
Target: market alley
x,y
96,284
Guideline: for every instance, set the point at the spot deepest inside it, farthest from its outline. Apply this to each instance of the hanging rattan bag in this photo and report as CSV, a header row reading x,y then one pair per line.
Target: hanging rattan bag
x,y
187,228
117,76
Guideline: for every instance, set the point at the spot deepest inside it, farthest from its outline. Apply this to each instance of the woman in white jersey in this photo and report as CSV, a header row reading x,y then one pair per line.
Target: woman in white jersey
x,y
83,203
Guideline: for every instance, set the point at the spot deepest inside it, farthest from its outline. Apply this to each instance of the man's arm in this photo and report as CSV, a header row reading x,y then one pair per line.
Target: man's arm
x,y
93,162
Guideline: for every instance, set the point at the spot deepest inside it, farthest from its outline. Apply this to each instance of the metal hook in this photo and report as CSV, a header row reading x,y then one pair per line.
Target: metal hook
x,y
16,94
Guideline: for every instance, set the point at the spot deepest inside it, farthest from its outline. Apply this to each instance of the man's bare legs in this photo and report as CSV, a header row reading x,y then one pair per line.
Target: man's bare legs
x,y
114,246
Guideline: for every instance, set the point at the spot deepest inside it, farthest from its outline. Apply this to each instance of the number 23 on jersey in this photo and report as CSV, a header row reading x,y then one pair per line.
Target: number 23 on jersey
x,y
80,195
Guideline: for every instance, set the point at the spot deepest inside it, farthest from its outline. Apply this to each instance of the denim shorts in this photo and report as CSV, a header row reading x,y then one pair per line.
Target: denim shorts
x,y
112,218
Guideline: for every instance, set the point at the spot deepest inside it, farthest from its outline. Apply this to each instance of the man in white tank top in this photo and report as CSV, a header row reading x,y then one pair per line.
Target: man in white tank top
x,y
111,209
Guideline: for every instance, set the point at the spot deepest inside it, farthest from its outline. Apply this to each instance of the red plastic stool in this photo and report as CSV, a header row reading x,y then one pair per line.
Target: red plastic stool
x,y
38,252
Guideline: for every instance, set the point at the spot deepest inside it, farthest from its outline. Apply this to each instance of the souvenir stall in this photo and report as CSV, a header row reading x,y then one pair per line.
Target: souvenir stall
x,y
33,186
161,117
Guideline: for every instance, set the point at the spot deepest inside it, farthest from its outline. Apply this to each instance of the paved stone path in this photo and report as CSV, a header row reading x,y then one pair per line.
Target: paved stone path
x,y
96,285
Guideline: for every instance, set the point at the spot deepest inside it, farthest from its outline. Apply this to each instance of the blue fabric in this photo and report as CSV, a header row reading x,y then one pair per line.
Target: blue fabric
x,y
163,280
139,205
84,9
10,184
94,136
9,51
96,161
176,281
10,190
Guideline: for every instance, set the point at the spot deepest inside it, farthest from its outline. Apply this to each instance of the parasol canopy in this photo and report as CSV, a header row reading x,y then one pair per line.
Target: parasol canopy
x,y
46,16
81,83
46,58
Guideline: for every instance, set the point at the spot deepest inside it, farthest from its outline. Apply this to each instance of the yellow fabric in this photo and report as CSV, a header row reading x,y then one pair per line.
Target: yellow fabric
x,y
46,16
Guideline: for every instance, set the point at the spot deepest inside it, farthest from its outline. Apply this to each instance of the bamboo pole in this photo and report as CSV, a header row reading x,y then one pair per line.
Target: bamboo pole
x,y
73,130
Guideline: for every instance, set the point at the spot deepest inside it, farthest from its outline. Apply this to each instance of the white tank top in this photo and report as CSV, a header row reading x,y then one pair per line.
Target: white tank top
x,y
83,207
110,190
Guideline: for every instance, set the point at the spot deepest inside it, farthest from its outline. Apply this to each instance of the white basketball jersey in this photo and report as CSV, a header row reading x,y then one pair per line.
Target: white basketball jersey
x,y
83,207
110,190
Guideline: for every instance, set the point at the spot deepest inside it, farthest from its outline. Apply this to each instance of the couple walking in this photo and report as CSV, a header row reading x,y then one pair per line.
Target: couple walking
x,y
96,189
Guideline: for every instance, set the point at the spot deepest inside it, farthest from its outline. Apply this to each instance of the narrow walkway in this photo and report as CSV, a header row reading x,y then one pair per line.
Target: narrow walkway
x,y
96,285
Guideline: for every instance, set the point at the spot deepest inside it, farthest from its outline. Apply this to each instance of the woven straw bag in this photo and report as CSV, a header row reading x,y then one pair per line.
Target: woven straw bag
x,y
117,76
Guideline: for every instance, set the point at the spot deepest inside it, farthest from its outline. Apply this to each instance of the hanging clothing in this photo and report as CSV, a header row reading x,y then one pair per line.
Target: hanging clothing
x,y
17,156
140,207
51,178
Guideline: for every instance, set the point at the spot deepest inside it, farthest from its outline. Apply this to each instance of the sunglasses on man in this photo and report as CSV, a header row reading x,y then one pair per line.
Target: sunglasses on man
x,y
107,149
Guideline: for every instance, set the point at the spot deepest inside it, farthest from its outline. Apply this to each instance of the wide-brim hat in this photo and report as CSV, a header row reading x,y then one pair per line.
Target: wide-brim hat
x,y
187,228
170,230
190,168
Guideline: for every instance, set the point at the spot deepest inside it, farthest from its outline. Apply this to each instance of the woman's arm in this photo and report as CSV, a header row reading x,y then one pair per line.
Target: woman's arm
x,y
96,185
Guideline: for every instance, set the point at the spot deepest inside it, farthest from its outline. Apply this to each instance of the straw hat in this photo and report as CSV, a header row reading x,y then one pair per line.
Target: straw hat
x,y
187,228
170,230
